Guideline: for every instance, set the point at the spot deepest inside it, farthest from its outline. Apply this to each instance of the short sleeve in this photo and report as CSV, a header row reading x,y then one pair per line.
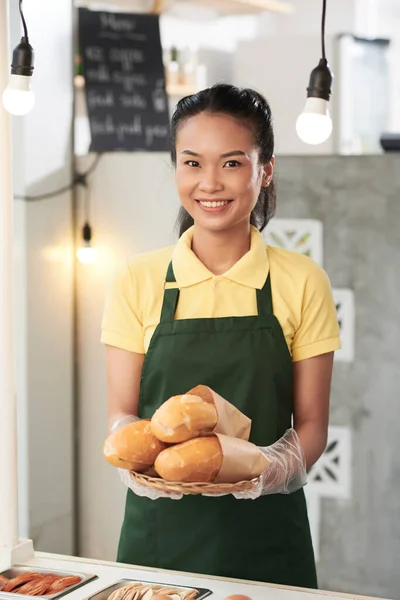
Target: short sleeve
x,y
121,324
318,332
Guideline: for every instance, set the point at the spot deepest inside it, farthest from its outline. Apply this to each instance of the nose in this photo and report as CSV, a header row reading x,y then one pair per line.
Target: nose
x,y
210,181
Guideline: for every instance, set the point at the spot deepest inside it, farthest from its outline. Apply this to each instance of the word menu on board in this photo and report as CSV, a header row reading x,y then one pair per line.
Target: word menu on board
x,y
124,81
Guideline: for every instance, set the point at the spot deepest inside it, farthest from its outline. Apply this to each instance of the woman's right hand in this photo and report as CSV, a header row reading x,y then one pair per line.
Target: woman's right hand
x,y
122,421
123,373
137,488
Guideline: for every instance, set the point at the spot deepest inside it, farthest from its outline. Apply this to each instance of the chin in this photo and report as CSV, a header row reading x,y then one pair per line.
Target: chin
x,y
221,224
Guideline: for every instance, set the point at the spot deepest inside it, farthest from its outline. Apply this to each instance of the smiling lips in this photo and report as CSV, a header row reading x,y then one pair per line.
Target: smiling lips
x,y
213,205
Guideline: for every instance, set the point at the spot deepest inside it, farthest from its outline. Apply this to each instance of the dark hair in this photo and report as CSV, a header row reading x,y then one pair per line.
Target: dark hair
x,y
246,105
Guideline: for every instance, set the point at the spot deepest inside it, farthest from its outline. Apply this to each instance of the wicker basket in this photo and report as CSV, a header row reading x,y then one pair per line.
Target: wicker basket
x,y
210,489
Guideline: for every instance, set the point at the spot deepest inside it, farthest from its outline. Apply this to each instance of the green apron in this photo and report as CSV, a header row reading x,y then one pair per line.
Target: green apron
x,y
246,360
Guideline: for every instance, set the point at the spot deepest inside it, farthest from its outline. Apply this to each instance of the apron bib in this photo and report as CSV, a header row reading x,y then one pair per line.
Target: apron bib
x,y
246,360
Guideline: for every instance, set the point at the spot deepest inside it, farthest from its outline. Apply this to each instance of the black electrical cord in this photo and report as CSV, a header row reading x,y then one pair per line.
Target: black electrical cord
x,y
23,21
86,207
323,29
79,179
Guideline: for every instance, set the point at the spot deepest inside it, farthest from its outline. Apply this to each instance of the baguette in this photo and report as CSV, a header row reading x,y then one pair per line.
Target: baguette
x,y
133,447
198,460
19,580
182,418
61,583
38,586
3,581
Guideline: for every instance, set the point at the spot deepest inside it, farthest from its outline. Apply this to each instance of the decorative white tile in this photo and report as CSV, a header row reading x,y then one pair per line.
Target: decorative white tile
x,y
313,500
331,475
344,300
299,235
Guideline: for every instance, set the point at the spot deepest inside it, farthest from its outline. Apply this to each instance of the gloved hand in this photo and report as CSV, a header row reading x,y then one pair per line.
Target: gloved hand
x,y
137,488
143,490
286,473
119,423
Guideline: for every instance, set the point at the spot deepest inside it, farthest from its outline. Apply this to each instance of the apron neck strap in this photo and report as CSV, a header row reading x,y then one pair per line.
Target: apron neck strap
x,y
171,297
264,299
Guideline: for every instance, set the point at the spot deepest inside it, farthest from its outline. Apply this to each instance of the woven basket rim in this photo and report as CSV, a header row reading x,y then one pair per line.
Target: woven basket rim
x,y
193,488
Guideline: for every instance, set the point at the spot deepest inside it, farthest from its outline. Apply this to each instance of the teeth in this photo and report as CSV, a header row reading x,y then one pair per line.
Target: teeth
x,y
214,204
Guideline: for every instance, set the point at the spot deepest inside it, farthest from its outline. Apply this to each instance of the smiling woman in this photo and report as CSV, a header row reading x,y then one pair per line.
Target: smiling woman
x,y
216,181
234,154
256,324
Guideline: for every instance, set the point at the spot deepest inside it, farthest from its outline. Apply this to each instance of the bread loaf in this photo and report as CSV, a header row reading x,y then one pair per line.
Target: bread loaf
x,y
19,580
133,447
185,417
39,586
198,460
62,583
3,581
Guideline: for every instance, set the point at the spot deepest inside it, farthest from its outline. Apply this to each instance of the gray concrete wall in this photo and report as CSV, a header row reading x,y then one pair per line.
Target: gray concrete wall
x,y
358,201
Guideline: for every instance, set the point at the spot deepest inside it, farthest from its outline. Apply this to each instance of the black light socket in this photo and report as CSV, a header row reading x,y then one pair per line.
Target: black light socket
x,y
23,59
320,84
87,232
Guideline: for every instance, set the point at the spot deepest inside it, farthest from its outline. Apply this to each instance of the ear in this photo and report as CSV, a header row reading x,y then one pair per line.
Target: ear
x,y
268,172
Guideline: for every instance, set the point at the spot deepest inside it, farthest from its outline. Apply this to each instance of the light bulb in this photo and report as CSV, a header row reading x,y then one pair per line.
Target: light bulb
x,y
86,254
314,125
18,98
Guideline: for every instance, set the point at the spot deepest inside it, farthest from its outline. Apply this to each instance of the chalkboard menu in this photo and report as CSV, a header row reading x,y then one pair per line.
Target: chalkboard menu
x,y
125,82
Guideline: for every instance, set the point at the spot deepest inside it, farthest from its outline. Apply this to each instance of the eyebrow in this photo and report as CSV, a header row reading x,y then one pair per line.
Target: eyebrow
x,y
225,155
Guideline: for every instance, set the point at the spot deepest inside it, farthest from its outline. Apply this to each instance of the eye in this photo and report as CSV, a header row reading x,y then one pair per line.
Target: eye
x,y
192,163
232,163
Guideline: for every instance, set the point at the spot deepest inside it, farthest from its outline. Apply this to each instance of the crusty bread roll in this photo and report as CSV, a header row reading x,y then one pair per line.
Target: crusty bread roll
x,y
20,580
62,583
3,581
37,587
133,447
185,417
198,460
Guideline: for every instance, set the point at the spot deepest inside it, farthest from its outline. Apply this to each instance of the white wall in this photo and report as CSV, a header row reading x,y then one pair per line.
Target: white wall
x,y
133,210
381,18
20,305
43,283
279,60
283,79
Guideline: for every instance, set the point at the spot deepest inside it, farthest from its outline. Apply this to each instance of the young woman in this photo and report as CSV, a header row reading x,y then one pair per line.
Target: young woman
x,y
257,324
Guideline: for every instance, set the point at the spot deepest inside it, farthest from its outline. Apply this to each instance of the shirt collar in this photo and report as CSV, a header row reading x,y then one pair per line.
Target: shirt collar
x,y
251,270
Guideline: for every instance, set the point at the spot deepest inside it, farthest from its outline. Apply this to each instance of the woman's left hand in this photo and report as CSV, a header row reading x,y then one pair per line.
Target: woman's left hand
x,y
286,472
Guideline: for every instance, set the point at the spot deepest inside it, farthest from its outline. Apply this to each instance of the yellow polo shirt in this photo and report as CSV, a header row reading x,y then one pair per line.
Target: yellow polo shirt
x,y
301,295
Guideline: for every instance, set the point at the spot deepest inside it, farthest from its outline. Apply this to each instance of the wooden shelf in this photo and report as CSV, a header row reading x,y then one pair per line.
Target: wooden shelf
x,y
230,7
222,7
179,91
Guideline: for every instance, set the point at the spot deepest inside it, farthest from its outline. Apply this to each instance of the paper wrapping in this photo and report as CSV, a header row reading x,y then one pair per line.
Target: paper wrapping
x,y
231,421
242,460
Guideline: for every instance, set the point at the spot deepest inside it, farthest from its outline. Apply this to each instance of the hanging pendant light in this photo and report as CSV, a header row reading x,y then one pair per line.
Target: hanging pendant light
x,y
314,125
18,98
86,254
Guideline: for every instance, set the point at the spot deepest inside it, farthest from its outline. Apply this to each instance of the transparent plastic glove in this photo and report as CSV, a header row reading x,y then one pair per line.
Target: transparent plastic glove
x,y
144,491
123,421
137,488
286,473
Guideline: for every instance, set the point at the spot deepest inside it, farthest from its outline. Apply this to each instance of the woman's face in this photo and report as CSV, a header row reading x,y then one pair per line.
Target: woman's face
x,y
218,170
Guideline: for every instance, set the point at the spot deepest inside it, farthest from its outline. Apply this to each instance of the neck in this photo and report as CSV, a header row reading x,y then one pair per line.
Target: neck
x,y
220,250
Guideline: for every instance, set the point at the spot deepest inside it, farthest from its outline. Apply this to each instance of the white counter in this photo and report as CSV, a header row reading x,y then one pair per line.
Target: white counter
x,y
109,573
